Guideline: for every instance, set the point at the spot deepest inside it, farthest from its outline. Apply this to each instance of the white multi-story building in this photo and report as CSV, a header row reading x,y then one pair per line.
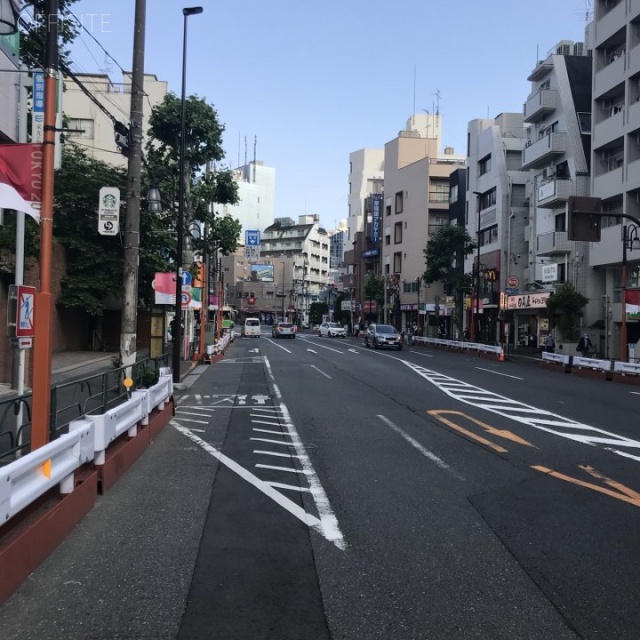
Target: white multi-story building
x,y
89,126
615,158
496,217
256,192
366,176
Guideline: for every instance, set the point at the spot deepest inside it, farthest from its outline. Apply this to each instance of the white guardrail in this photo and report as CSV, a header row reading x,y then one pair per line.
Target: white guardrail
x,y
630,368
26,479
457,344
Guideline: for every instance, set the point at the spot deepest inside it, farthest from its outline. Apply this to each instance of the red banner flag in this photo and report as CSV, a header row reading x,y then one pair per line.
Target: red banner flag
x,y
21,178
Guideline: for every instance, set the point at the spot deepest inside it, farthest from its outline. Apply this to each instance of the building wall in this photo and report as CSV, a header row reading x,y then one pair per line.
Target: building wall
x,y
9,89
98,138
366,176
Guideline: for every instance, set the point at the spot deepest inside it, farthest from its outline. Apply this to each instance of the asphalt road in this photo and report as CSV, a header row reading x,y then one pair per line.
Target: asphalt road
x,y
312,489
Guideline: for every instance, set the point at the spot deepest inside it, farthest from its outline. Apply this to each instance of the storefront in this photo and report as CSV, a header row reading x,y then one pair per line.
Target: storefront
x,y
527,319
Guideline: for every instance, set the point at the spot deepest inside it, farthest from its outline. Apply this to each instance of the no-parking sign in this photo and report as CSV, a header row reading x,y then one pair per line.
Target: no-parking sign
x,y
25,318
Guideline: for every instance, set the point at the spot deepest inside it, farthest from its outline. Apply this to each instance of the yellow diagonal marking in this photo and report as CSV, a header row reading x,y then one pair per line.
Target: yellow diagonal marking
x,y
501,433
623,493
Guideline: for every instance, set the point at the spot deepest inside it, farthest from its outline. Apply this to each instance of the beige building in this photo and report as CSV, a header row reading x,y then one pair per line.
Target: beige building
x,y
91,126
416,203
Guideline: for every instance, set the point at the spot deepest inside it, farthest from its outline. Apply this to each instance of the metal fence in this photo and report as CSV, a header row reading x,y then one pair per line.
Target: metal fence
x,y
71,400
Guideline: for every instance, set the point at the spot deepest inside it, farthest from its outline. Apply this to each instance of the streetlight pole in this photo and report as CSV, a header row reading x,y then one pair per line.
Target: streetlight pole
x,y
283,293
477,301
128,328
177,332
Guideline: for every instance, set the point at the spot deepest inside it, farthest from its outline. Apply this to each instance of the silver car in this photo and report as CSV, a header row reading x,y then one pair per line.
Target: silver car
x,y
382,335
332,329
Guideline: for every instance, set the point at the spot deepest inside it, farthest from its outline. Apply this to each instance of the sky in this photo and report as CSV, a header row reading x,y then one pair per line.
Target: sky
x,y
314,82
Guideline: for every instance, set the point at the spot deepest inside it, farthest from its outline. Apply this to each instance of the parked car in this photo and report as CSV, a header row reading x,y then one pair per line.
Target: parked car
x,y
283,330
383,335
332,329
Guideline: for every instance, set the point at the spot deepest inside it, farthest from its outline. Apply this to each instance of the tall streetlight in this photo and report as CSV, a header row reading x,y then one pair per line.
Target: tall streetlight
x,y
177,331
283,293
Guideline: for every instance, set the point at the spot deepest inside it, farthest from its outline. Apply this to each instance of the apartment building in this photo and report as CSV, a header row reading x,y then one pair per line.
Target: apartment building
x,y
90,126
614,36
415,204
299,255
496,219
366,176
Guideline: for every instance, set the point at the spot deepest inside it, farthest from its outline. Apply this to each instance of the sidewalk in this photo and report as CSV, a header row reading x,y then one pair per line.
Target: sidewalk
x,y
70,365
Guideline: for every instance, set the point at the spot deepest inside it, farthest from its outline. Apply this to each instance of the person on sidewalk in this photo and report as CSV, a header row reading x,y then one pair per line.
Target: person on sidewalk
x,y
585,346
549,344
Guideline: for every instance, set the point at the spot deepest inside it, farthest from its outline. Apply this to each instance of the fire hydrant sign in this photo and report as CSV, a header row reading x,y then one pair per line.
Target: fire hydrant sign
x,y
25,326
109,211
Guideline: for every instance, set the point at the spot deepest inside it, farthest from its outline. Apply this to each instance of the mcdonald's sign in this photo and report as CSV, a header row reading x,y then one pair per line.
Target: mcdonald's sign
x,y
491,275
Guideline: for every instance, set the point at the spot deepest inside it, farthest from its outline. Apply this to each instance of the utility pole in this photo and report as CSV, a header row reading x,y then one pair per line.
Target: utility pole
x,y
41,394
129,321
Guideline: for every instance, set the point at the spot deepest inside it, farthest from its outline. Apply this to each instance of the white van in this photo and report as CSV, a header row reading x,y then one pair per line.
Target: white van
x,y
251,328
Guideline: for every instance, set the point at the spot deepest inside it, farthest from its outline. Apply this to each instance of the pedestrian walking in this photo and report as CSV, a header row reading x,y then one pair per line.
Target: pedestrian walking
x,y
549,344
585,346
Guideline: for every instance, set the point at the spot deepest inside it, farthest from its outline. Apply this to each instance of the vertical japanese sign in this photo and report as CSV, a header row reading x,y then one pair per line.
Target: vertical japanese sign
x,y
37,111
376,217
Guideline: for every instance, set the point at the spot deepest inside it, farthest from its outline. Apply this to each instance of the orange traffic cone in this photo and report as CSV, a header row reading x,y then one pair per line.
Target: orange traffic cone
x,y
501,356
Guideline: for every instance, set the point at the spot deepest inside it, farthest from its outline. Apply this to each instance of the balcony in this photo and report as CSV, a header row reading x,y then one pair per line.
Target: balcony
x,y
541,152
542,69
609,129
539,105
553,193
552,244
610,22
609,76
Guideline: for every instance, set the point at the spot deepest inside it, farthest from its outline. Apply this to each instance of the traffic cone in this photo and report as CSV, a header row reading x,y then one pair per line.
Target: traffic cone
x,y
501,356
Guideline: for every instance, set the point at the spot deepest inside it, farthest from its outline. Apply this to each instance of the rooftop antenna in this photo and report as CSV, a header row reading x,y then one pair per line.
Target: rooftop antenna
x,y
437,95
255,144
239,142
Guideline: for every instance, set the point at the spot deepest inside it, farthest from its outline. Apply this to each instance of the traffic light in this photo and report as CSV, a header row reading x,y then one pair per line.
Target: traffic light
x,y
584,218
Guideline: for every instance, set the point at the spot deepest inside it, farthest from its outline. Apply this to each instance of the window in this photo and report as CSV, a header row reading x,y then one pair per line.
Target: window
x,y
561,222
397,262
80,128
488,199
387,210
399,201
453,196
584,122
397,233
484,166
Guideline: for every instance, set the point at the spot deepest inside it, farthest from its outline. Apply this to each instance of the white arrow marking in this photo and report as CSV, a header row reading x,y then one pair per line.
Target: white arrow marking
x,y
312,351
354,351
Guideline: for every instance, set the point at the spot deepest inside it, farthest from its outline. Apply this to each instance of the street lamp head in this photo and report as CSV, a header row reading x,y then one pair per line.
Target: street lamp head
x,y
9,15
154,200
192,11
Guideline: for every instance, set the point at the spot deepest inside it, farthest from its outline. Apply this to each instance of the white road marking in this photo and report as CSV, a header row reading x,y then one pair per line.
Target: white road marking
x,y
423,450
326,375
287,469
292,487
278,345
198,398
312,351
422,353
191,413
286,444
538,418
499,373
192,420
276,453
354,351
182,399
272,423
266,488
277,433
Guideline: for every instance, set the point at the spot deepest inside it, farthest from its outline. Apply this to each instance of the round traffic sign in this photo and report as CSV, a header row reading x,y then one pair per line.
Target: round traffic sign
x,y
513,282
186,299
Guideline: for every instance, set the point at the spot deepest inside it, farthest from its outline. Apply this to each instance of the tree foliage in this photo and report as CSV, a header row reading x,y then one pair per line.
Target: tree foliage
x,y
32,39
450,243
374,288
94,262
203,144
567,306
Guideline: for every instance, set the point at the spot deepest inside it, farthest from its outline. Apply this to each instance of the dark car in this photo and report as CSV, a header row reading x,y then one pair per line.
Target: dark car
x,y
382,335
283,330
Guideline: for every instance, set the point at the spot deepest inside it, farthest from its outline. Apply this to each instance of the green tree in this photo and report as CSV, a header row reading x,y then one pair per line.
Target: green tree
x,y
203,144
566,305
445,253
32,39
374,289
94,262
